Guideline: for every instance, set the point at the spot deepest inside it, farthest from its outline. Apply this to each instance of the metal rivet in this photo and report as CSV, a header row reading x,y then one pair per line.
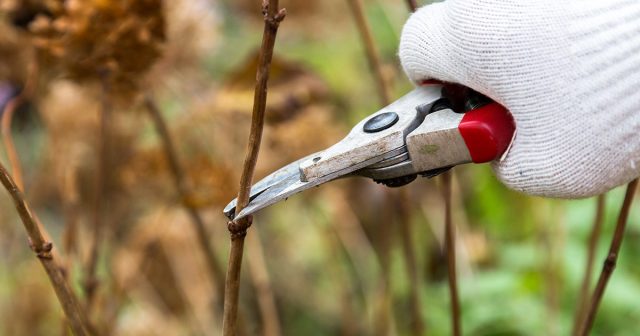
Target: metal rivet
x,y
381,122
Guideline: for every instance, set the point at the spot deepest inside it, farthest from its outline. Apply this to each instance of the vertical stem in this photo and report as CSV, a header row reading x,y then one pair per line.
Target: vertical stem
x,y
611,260
358,249
38,235
384,315
215,270
384,319
43,249
90,281
264,291
450,244
7,138
238,229
349,324
232,284
7,118
70,200
417,324
583,296
416,304
373,57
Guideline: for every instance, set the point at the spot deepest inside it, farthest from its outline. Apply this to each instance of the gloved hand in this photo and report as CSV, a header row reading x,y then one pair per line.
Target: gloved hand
x,y
569,72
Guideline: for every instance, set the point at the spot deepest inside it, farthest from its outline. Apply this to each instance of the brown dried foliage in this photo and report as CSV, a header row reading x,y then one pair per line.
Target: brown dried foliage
x,y
84,39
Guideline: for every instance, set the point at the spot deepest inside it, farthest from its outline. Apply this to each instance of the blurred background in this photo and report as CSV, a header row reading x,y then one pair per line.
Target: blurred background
x,y
146,252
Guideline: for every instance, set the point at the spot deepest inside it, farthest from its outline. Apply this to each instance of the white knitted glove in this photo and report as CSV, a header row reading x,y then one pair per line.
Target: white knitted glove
x,y
568,70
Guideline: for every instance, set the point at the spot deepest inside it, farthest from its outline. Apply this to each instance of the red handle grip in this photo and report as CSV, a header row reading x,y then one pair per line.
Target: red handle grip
x,y
487,131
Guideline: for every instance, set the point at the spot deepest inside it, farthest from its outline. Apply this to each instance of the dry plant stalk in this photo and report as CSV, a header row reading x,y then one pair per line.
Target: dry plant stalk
x,y
7,138
383,322
450,241
215,270
76,318
91,282
347,281
450,244
43,249
71,206
238,229
413,5
262,284
583,302
7,119
384,318
373,57
417,324
357,248
611,260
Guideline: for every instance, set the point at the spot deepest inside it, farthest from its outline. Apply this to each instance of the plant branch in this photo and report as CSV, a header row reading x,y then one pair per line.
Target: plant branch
x,y
68,189
7,138
238,229
181,184
101,182
583,297
611,260
383,322
38,236
358,249
373,56
417,324
450,244
7,118
43,249
262,284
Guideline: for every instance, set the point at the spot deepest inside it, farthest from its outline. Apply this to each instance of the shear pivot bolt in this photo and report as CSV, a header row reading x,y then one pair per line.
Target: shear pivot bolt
x,y
381,122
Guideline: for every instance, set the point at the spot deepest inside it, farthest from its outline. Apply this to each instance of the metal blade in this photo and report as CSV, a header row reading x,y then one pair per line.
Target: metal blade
x,y
361,148
362,144
287,173
292,185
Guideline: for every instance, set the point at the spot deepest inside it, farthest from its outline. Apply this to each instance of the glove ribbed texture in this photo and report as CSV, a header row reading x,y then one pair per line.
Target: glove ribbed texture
x,y
568,70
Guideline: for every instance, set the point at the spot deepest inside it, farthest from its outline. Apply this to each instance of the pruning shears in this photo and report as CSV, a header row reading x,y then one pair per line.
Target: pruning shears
x,y
426,132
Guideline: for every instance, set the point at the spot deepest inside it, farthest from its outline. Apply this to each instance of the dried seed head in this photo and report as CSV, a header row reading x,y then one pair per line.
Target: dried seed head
x,y
85,40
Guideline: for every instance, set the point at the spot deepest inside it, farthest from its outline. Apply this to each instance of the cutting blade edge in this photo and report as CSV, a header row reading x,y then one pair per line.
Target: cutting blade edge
x,y
293,185
283,174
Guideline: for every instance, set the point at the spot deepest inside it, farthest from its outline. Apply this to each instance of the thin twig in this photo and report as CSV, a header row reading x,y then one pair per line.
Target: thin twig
x,y
56,272
71,206
583,302
7,119
373,56
7,138
43,249
611,260
413,5
345,279
384,315
101,183
262,284
358,249
238,229
181,184
417,324
450,244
